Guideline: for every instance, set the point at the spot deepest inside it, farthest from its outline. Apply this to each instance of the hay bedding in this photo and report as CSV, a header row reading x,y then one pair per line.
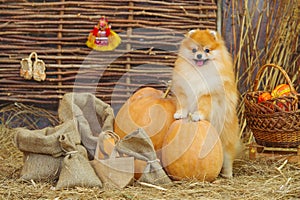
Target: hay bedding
x,y
252,180
258,179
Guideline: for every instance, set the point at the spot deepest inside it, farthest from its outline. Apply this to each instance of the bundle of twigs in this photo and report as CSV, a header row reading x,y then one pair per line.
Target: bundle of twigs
x,y
263,32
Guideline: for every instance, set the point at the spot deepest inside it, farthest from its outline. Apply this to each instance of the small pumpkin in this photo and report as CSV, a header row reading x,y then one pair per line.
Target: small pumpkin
x,y
109,144
108,147
264,96
192,150
281,90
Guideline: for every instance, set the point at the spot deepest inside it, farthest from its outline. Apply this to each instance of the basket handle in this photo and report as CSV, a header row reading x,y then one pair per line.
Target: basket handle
x,y
261,70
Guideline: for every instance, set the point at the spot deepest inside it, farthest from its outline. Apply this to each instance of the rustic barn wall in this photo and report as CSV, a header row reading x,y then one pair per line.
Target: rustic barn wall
x,y
57,30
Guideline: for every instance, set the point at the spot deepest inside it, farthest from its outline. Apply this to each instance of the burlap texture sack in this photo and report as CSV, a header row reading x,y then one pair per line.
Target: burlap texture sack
x,y
76,169
92,115
114,171
139,145
45,141
40,167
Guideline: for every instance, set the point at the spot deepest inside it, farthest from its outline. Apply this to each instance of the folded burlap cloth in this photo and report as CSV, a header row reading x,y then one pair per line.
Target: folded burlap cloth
x,y
92,115
76,169
139,145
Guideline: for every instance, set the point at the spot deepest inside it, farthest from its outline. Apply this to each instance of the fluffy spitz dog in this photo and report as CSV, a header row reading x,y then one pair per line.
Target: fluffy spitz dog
x,y
204,85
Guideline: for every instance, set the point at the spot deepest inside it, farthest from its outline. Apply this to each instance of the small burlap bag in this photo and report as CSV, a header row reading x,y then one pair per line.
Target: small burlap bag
x,y
114,171
92,115
139,145
40,167
45,141
76,169
42,152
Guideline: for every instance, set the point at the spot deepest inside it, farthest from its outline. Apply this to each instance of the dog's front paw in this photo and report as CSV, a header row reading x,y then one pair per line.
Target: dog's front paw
x,y
197,116
227,176
180,115
226,173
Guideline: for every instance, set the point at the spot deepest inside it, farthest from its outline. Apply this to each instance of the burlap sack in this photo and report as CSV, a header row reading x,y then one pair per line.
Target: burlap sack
x,y
45,141
139,145
76,169
92,115
40,167
114,171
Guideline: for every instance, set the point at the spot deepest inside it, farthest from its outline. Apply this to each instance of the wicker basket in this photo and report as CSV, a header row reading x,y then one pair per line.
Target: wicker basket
x,y
273,125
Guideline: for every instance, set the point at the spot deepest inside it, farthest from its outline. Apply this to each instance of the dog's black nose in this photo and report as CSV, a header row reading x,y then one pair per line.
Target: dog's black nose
x,y
199,56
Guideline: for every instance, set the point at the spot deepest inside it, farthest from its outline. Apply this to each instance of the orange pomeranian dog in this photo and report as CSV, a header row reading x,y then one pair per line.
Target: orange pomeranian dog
x,y
204,85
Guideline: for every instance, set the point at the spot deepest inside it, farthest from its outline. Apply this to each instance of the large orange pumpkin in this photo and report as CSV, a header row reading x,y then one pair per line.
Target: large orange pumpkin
x,y
192,150
149,109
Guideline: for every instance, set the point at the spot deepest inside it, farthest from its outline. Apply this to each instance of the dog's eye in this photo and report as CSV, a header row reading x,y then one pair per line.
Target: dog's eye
x,y
206,50
194,50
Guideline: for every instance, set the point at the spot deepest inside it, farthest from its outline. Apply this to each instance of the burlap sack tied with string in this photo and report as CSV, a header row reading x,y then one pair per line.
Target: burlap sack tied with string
x,y
42,152
76,169
45,141
139,145
92,115
40,167
115,171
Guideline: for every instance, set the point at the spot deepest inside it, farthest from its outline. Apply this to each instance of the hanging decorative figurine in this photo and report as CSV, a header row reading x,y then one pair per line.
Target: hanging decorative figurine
x,y
102,38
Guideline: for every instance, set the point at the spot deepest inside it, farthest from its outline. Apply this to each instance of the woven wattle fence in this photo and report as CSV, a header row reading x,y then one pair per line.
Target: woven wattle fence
x,y
57,30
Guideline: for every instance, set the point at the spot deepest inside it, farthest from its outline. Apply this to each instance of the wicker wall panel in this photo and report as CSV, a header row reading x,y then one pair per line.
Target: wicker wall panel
x,y
57,30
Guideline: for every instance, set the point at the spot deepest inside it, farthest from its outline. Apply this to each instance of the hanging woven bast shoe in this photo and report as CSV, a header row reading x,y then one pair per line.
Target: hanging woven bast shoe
x,y
26,67
39,69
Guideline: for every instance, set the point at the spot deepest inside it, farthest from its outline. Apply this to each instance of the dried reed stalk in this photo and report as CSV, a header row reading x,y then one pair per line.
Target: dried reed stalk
x,y
267,32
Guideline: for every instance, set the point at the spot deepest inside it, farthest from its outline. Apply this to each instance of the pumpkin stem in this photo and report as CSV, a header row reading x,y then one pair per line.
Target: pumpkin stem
x,y
167,90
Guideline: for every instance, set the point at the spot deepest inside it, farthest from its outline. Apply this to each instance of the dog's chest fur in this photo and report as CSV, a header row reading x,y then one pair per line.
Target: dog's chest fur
x,y
198,81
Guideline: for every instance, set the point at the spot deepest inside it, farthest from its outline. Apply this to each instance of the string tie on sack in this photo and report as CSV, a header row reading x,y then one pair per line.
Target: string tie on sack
x,y
71,152
153,161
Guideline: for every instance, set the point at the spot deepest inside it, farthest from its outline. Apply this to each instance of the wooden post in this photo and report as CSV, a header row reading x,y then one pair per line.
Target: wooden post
x,y
128,47
59,48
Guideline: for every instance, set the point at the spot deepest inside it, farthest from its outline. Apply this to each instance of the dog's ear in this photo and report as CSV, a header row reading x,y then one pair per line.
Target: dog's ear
x,y
190,33
214,34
